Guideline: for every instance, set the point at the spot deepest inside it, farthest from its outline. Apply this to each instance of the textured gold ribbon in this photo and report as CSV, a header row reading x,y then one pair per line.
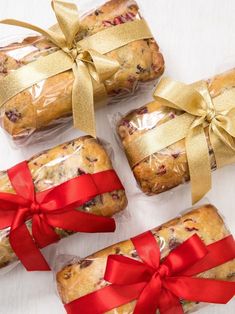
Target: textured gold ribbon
x,y
198,112
86,58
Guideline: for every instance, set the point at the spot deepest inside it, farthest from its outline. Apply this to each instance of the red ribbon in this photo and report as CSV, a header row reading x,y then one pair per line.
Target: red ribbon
x,y
161,286
53,208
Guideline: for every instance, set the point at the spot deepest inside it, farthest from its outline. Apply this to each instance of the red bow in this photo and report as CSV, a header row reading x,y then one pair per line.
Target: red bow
x,y
53,208
161,286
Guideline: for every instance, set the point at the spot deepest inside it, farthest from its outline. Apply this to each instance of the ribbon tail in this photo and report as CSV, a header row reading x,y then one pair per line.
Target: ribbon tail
x,y
201,289
199,168
102,67
83,99
26,250
149,298
43,233
169,303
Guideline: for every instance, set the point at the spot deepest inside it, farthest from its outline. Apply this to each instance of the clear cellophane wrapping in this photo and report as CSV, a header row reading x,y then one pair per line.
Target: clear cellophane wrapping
x,y
76,277
60,164
44,110
167,168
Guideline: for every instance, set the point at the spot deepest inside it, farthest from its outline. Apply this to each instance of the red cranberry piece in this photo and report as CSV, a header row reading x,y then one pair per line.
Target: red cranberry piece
x,y
115,196
175,155
171,115
129,16
118,20
142,110
107,23
13,115
173,243
161,170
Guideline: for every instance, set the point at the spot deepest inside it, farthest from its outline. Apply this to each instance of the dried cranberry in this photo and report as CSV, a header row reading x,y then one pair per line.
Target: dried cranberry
x,y
13,115
115,196
107,23
126,123
85,263
140,69
98,12
142,110
175,155
67,275
173,243
131,79
117,91
90,159
118,20
117,250
191,229
134,254
80,172
161,170
89,204
230,275
129,16
171,115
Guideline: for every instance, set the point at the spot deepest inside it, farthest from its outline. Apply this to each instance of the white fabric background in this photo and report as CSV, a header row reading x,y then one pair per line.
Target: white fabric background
x,y
197,39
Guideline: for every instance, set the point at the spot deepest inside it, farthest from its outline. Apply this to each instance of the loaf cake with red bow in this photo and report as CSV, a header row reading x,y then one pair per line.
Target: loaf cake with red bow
x,y
82,277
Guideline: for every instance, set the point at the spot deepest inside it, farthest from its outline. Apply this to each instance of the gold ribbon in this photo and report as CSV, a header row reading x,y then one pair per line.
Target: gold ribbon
x,y
198,112
86,58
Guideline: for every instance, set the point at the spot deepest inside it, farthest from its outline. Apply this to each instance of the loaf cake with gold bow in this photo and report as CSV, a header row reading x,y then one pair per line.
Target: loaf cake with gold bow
x,y
82,277
49,102
169,167
51,168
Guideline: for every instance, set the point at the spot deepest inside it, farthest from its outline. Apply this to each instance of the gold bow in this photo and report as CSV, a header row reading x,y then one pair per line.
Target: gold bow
x,y
198,112
86,58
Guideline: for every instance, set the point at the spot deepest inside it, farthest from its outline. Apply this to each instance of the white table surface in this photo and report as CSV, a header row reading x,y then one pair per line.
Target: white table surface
x,y
197,39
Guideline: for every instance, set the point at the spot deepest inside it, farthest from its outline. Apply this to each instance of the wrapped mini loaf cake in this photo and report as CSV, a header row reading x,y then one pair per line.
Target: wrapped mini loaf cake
x,y
82,277
47,103
167,168
55,166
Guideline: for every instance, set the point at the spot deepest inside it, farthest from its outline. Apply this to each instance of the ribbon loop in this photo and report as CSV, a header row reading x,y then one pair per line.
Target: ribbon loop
x,y
68,20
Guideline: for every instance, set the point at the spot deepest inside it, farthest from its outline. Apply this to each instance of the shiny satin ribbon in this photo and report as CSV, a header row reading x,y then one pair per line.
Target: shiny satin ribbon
x,y
161,286
50,209
199,111
86,58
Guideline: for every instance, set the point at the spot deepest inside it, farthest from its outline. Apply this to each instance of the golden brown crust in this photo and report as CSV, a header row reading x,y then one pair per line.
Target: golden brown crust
x,y
167,168
85,276
46,102
60,164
